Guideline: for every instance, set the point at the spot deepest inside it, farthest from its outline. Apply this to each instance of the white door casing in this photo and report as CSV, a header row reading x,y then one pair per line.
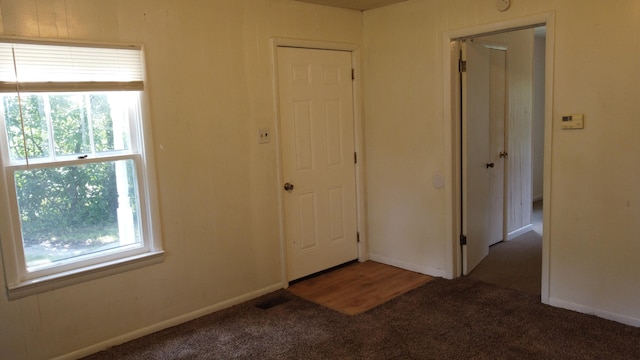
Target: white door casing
x,y
317,147
497,148
452,112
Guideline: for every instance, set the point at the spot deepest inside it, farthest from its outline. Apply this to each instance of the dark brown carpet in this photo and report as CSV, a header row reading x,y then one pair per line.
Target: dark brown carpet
x,y
443,319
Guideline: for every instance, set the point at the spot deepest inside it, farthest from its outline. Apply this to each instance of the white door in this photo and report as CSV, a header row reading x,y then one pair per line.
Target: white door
x,y
476,157
318,168
497,147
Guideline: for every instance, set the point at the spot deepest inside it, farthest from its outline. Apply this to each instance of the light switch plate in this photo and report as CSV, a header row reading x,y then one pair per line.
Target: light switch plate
x,y
573,121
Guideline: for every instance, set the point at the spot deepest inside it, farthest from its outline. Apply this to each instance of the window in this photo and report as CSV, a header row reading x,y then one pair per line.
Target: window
x,y
77,181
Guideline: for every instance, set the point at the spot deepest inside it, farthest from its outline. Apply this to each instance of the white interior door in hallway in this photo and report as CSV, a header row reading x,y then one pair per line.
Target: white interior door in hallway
x,y
317,151
483,153
497,144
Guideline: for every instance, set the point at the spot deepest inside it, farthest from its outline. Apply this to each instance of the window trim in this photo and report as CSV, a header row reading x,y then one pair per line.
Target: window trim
x,y
76,276
19,283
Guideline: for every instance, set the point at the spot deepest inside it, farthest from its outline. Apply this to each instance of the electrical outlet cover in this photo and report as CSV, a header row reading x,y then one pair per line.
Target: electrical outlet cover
x,y
264,135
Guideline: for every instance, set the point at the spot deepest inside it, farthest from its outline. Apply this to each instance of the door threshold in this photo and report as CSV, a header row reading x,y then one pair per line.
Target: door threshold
x,y
292,282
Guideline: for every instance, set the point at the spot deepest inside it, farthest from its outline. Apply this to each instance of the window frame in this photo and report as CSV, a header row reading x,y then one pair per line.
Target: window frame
x,y
20,281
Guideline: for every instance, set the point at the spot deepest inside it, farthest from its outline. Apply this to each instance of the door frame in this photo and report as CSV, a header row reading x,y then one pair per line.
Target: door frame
x,y
363,253
452,112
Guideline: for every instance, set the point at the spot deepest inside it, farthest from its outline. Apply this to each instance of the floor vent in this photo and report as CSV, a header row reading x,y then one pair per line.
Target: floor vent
x,y
269,303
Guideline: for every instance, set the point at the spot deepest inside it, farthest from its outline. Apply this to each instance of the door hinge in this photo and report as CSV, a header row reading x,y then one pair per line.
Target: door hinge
x,y
355,157
463,240
462,65
353,74
358,236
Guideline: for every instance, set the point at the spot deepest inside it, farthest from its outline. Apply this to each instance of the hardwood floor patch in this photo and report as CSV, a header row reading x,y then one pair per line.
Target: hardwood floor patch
x,y
359,287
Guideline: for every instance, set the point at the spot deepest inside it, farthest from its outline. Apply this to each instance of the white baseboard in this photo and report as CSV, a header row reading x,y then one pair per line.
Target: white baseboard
x,y
168,323
408,266
596,312
514,234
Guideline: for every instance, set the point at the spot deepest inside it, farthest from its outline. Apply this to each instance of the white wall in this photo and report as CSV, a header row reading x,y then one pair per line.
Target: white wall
x,y
404,137
594,203
210,88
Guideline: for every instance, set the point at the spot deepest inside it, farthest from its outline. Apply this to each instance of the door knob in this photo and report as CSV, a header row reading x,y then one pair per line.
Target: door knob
x,y
288,186
504,154
489,165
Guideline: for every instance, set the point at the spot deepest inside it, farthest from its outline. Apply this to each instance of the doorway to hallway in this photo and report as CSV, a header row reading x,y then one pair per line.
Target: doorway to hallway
x,y
517,192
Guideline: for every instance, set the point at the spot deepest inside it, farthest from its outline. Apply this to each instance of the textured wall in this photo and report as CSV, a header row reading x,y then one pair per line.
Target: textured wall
x,y
210,89
594,203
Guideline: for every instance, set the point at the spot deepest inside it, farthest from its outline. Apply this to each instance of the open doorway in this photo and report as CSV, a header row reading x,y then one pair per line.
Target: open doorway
x,y
526,196
505,96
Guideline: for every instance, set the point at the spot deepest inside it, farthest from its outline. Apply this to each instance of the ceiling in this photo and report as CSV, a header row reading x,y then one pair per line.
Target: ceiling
x,y
354,4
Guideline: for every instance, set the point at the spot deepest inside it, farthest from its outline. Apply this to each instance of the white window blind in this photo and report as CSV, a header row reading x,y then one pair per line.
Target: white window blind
x,y
41,67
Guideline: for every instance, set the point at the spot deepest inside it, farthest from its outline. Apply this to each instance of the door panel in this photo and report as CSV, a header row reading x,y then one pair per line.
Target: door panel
x,y
476,153
317,143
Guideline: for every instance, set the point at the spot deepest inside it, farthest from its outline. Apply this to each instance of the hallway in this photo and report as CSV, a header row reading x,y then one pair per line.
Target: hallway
x,y
517,263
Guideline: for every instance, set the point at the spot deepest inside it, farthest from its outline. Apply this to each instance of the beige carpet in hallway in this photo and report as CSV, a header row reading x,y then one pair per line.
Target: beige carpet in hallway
x,y
517,263
514,264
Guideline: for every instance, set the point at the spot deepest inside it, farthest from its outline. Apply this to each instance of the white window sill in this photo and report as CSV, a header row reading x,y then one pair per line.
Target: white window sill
x,y
51,282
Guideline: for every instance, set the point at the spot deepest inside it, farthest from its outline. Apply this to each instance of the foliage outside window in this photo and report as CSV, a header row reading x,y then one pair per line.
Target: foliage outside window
x,y
75,173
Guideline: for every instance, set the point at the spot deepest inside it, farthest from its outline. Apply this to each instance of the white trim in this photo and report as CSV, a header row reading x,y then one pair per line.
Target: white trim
x,y
548,138
150,206
514,234
595,312
358,138
361,208
311,44
73,160
495,45
79,275
451,51
168,323
427,270
452,134
276,133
